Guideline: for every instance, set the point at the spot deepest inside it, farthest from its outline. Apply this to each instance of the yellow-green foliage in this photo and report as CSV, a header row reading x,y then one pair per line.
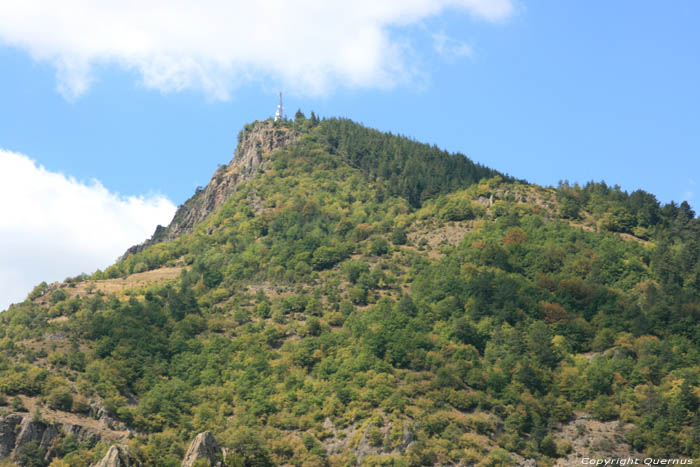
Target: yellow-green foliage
x,y
317,309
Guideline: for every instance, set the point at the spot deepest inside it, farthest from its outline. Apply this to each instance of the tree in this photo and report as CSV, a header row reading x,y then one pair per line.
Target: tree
x,y
379,246
314,119
548,447
32,454
60,399
398,236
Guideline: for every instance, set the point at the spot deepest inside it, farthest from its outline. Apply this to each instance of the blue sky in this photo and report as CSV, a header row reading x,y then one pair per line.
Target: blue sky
x,y
141,109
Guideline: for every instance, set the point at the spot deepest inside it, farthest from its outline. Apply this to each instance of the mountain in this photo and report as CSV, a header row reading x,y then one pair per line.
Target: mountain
x,y
340,296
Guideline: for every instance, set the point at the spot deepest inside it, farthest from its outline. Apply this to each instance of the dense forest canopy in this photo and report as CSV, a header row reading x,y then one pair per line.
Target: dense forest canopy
x,y
403,167
370,298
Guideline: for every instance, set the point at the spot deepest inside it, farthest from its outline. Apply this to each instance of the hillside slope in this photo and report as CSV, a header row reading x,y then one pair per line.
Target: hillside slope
x,y
339,296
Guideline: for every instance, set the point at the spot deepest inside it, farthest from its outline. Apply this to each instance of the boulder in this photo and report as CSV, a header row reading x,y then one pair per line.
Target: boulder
x,y
118,455
203,446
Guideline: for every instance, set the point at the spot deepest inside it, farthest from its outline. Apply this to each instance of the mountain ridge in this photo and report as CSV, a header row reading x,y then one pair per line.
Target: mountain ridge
x,y
263,137
255,140
366,299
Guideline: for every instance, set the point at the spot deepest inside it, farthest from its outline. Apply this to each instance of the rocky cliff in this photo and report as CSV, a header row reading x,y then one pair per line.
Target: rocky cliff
x,y
255,141
17,431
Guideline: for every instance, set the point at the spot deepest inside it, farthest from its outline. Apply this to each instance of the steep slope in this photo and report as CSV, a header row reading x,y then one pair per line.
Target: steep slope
x,y
326,313
396,164
254,141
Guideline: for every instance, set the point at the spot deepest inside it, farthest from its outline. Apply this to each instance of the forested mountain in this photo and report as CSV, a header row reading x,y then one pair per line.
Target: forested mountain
x,y
341,296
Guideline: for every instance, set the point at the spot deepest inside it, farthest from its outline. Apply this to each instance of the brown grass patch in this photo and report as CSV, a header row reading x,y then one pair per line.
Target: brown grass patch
x,y
134,281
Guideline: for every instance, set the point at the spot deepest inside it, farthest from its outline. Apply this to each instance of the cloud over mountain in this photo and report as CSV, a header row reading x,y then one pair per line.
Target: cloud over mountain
x,y
53,226
214,45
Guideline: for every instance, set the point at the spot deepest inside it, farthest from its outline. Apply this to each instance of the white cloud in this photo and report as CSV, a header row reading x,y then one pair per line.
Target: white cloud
x,y
449,47
309,46
53,227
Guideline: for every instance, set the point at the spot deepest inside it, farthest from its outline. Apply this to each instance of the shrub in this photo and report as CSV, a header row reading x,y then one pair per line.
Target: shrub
x,y
398,236
379,246
374,435
548,447
325,257
358,295
60,399
31,454
58,296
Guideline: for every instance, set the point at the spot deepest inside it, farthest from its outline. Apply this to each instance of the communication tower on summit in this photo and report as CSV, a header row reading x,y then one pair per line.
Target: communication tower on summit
x,y
280,110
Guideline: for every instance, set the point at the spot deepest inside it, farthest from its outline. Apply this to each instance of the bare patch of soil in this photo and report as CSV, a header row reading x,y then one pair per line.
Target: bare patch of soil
x,y
594,439
115,286
430,239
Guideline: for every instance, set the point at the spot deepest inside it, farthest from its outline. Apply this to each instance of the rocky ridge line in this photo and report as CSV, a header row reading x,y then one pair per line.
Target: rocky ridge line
x,y
255,141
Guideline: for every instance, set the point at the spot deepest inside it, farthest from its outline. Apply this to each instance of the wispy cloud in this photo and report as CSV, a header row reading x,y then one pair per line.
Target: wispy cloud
x,y
53,226
212,45
450,48
689,192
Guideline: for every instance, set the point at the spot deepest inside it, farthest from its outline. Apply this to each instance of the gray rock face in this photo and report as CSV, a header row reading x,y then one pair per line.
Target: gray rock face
x,y
118,456
31,431
35,431
80,432
16,431
203,446
262,138
8,436
98,412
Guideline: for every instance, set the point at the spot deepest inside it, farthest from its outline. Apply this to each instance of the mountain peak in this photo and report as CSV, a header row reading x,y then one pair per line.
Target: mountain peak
x,y
254,141
348,297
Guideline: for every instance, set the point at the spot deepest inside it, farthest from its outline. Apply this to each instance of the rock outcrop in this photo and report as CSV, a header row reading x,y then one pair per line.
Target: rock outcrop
x,y
254,142
362,447
99,413
17,431
204,446
8,436
118,455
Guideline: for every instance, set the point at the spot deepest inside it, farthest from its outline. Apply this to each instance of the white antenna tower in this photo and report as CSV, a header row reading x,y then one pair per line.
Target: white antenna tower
x,y
280,110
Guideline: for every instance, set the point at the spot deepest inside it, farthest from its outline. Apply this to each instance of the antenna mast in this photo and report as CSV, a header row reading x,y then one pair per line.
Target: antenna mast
x,y
280,110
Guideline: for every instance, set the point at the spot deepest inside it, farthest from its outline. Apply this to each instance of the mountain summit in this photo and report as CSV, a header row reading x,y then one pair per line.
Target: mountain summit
x,y
254,141
340,296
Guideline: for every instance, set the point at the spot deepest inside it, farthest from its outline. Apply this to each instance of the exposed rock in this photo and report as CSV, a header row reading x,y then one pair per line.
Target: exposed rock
x,y
17,431
594,438
7,434
118,456
43,434
521,461
81,433
51,432
31,430
203,446
98,412
256,141
362,446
